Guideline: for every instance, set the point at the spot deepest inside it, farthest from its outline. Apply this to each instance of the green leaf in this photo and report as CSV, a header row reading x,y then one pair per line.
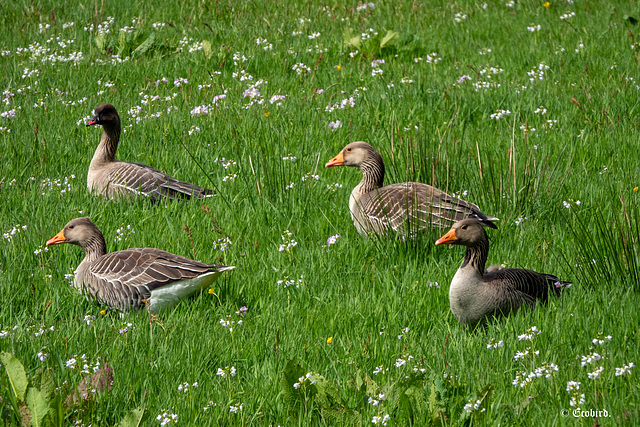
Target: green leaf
x,y
326,392
122,42
433,400
46,385
38,405
206,46
144,46
16,374
289,377
341,417
390,39
371,386
350,39
57,410
101,41
132,419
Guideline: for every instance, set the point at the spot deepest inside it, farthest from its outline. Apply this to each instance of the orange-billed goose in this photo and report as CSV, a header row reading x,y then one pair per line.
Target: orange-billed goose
x,y
123,279
476,293
113,178
405,208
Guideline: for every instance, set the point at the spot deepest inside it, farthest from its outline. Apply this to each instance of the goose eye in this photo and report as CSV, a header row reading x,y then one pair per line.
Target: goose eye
x,y
464,227
71,226
348,149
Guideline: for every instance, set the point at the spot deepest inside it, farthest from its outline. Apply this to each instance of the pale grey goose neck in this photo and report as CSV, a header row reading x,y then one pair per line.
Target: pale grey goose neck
x,y
114,179
126,279
477,293
404,208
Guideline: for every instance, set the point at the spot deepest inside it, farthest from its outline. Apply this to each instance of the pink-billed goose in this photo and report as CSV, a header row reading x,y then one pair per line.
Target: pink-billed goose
x,y
114,179
477,293
405,208
123,279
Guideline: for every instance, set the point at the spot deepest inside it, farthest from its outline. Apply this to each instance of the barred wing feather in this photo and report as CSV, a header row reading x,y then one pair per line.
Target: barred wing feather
x,y
122,279
412,206
141,179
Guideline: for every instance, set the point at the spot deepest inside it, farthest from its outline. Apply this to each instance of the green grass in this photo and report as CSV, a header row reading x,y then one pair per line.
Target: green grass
x,y
360,292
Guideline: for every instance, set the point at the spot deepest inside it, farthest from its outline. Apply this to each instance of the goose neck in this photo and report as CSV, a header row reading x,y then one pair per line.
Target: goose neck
x,y
372,175
106,151
94,247
476,256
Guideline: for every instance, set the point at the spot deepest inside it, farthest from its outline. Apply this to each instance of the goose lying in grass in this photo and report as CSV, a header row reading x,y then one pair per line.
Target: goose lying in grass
x,y
476,293
126,279
113,178
404,208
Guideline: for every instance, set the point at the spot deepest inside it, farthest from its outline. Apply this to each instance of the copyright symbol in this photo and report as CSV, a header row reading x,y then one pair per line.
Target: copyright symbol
x,y
564,413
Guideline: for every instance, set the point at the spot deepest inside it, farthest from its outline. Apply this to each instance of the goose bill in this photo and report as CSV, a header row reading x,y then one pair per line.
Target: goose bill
x,y
57,239
450,237
93,121
336,161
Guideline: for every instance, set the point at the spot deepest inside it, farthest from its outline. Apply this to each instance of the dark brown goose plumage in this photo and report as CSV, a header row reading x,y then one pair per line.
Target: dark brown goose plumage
x,y
404,208
123,279
114,179
476,293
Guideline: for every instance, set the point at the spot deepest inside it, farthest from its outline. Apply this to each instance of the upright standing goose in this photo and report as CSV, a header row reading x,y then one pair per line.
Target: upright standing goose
x,y
476,293
114,179
404,208
123,279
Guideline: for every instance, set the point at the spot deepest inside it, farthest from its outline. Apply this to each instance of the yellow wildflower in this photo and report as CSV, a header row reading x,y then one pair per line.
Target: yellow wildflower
x,y
329,340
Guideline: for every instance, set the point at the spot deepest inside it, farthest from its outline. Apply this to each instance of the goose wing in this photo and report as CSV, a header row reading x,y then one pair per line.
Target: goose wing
x,y
524,286
122,279
412,206
144,180
174,188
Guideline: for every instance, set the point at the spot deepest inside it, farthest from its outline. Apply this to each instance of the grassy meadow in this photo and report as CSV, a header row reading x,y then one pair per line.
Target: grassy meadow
x,y
529,109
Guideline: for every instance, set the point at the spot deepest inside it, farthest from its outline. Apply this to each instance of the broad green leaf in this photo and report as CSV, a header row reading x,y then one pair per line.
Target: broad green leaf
x,y
341,417
289,377
100,42
358,381
46,385
57,410
122,42
133,418
326,392
433,400
350,39
371,386
144,46
390,39
206,46
38,405
16,374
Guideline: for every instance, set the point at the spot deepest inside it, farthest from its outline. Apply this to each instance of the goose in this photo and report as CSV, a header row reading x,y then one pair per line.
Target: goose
x,y
403,208
475,293
130,278
114,179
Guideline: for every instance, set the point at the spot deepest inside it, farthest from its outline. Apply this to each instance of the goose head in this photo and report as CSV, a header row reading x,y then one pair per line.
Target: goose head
x,y
468,232
78,231
105,115
356,154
